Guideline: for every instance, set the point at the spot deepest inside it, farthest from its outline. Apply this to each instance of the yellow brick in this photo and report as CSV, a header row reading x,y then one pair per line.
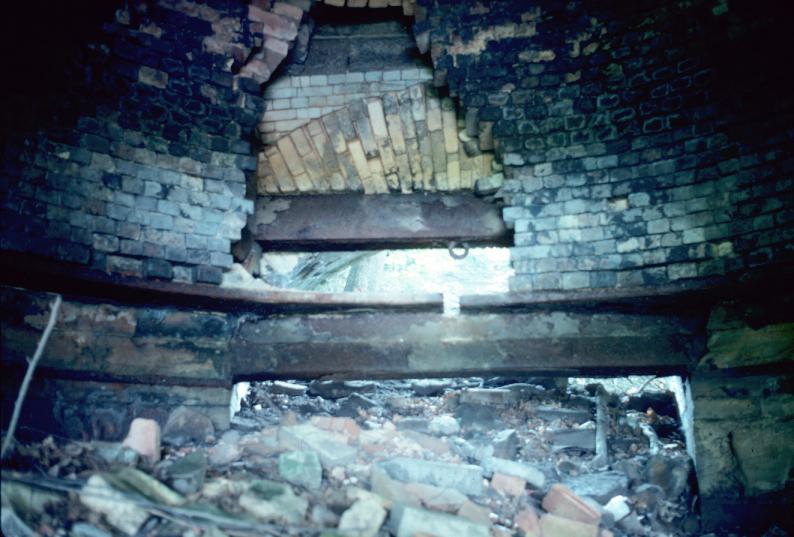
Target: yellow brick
x,y
360,163
304,183
279,167
453,173
376,177
450,125
291,157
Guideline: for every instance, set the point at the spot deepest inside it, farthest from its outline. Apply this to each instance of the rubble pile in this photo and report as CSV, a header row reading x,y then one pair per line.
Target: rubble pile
x,y
431,457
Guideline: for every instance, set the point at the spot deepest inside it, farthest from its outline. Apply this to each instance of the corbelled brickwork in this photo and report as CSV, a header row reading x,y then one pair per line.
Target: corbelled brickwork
x,y
635,149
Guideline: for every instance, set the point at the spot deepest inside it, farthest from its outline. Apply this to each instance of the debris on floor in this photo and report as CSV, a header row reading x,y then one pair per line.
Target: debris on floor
x,y
437,457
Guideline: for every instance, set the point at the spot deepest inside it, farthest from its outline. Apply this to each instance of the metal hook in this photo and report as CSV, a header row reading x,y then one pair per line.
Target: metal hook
x,y
453,245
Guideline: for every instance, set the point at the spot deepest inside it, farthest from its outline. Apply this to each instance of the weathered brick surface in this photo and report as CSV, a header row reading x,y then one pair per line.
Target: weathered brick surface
x,y
137,147
629,160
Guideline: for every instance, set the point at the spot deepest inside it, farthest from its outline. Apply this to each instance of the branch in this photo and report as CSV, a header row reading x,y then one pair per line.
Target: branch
x,y
23,390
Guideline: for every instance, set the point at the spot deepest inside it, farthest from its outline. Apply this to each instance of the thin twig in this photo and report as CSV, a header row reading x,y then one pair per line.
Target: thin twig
x,y
645,384
23,390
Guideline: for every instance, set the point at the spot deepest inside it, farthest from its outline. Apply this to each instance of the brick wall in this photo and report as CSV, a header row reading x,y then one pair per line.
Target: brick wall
x,y
291,101
129,135
642,143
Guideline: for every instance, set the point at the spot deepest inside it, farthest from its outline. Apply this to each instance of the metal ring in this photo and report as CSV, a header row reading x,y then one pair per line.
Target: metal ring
x,y
458,255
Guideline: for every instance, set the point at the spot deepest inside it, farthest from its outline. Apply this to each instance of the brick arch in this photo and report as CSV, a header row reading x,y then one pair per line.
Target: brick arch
x,y
402,141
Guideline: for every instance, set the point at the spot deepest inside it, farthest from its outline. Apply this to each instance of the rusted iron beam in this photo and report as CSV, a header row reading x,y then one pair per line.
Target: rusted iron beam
x,y
345,221
383,345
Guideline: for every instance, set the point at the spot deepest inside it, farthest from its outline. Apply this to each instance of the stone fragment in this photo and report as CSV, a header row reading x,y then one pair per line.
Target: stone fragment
x,y
600,486
508,484
436,445
443,426
572,415
330,447
301,468
115,452
484,396
483,417
528,522
363,519
528,473
429,387
144,438
119,510
670,472
186,425
465,478
322,516
436,498
227,449
354,403
334,389
411,522
505,444
420,425
263,443
557,526
561,501
186,475
273,502
475,512
573,438
288,388
618,508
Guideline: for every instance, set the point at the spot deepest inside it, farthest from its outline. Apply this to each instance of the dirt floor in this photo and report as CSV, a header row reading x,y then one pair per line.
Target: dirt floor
x,y
440,457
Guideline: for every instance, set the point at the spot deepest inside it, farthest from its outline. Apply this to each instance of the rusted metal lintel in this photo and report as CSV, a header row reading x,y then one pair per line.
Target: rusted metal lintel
x,y
382,345
345,221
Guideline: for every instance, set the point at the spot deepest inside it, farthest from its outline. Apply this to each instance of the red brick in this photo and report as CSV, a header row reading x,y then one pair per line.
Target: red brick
x,y
345,426
256,69
275,50
528,522
561,501
274,25
288,10
144,438
475,513
557,526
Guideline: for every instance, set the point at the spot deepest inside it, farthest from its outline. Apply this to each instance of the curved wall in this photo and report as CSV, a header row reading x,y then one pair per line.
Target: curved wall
x,y
127,137
644,142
